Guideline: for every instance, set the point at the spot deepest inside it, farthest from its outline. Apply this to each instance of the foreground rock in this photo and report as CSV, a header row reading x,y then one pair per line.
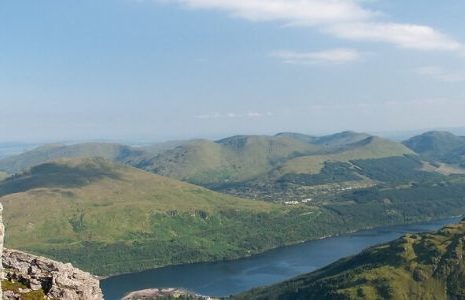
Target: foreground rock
x,y
150,294
55,279
2,237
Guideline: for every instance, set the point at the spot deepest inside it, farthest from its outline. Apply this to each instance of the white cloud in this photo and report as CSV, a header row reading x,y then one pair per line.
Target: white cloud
x,y
304,11
258,114
346,19
334,56
232,115
402,35
441,74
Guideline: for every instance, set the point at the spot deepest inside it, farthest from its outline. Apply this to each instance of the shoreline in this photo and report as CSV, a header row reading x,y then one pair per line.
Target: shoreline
x,y
101,278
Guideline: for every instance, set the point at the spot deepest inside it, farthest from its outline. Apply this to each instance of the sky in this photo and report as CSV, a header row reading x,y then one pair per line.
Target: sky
x,y
152,70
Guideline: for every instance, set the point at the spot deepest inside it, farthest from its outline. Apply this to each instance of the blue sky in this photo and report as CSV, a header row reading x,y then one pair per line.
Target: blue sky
x,y
169,69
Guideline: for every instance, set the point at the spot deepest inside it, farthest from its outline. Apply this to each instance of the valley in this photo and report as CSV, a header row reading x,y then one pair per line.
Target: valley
x,y
109,218
233,277
110,208
240,149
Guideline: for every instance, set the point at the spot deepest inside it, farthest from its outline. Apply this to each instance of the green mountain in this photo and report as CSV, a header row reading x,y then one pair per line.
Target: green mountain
x,y
236,158
34,157
351,166
329,141
233,160
295,167
298,136
109,218
439,146
157,148
281,168
416,266
341,139
110,151
241,159
366,148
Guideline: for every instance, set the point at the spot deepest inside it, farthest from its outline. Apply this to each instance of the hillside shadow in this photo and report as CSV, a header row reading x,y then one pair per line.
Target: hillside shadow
x,y
52,175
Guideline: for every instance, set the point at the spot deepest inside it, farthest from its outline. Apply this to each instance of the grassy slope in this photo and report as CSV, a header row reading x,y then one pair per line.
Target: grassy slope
x,y
26,160
118,219
233,159
369,148
313,176
244,158
419,266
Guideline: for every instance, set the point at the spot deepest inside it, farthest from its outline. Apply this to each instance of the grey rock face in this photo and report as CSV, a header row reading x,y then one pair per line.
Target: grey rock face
x,y
152,294
58,280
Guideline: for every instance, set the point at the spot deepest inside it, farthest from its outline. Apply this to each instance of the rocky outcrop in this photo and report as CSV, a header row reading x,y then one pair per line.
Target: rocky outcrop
x,y
152,294
2,236
56,279
27,274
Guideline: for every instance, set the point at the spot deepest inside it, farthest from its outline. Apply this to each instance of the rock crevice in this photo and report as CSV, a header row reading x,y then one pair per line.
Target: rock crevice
x,y
56,279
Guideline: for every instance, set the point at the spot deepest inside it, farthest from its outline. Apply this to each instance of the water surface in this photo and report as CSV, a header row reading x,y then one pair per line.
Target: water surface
x,y
226,278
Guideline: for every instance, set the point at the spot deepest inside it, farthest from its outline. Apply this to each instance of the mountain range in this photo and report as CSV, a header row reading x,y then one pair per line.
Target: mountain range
x,y
241,164
245,159
112,208
110,218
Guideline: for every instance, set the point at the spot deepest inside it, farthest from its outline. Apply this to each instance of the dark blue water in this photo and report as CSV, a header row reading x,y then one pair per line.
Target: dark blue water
x,y
226,278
